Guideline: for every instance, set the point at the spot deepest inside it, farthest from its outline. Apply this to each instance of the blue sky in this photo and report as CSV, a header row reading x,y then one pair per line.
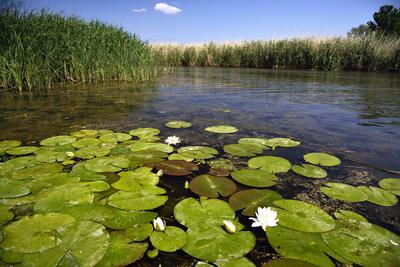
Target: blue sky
x,y
193,21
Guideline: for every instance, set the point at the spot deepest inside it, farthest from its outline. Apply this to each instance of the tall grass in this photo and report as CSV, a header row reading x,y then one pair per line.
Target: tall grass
x,y
371,53
41,49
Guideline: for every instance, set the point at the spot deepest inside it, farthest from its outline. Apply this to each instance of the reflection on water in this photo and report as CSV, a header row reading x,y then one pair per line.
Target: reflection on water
x,y
353,113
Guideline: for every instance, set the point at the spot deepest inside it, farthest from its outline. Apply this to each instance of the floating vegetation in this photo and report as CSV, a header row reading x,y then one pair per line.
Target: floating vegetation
x,y
98,211
222,129
178,124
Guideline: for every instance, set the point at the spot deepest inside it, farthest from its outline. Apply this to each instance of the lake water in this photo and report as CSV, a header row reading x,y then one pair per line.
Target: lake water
x,y
353,115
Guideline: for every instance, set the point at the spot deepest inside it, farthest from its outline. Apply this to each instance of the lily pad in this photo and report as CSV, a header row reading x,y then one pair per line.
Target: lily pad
x,y
79,170
378,196
270,164
349,215
198,152
122,251
115,137
212,243
143,132
212,186
22,150
190,212
123,219
85,142
301,216
107,164
287,262
5,214
282,142
85,133
343,192
364,243
147,156
298,245
176,156
250,200
219,172
176,167
34,234
170,240
52,156
323,159
178,124
240,262
10,188
255,178
140,146
243,150
84,242
309,170
7,145
38,170
95,213
139,232
261,143
140,176
58,140
150,197
391,184
222,129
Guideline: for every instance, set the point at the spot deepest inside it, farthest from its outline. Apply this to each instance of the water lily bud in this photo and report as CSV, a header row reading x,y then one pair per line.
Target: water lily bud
x,y
230,227
70,154
187,185
160,173
159,225
152,253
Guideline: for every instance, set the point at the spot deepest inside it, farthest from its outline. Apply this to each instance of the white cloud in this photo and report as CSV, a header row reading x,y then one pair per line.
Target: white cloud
x,y
167,9
139,10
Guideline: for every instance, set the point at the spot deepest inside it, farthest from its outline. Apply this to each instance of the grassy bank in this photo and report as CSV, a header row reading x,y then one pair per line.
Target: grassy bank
x,y
372,53
41,49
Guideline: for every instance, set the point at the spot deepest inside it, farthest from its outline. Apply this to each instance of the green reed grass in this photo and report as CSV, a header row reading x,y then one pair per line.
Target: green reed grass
x,y
41,49
371,53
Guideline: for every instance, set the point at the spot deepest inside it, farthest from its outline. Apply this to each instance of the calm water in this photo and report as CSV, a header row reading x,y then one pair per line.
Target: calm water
x,y
355,116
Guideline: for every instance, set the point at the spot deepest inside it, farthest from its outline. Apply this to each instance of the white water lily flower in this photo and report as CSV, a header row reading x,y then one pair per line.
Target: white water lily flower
x,y
229,226
159,225
173,140
160,173
394,243
265,217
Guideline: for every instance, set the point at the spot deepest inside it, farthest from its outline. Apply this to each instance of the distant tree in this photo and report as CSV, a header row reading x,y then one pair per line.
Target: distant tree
x,y
362,30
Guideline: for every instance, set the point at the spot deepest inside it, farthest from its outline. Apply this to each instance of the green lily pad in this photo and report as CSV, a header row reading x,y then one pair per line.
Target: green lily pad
x,y
222,129
378,196
243,150
349,215
115,137
122,251
287,262
139,232
143,132
212,243
7,145
178,124
282,142
123,219
58,140
391,184
364,243
22,150
298,245
51,156
150,197
107,164
176,156
147,156
34,234
250,200
212,186
176,167
83,242
38,170
301,216
190,212
10,188
140,176
91,152
261,143
323,159
85,133
95,213
170,240
80,171
5,214
343,192
270,164
240,262
85,142
255,178
309,170
140,146
198,152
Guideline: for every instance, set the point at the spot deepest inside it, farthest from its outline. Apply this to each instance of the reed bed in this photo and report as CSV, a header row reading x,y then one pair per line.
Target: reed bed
x,y
371,53
41,49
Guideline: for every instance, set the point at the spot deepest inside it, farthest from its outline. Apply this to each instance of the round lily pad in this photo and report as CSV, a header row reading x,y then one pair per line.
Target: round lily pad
x,y
176,167
364,243
132,180
250,200
147,156
115,137
92,152
349,215
142,132
5,215
343,192
219,172
139,146
240,262
150,197
38,170
323,159
261,143
12,188
178,124
255,178
34,234
391,184
282,142
58,140
309,170
198,152
84,133
222,129
287,262
51,156
124,219
22,150
139,232
243,150
80,171
176,156
95,213
301,216
298,245
107,164
378,195
170,240
85,142
270,164
7,145
212,186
